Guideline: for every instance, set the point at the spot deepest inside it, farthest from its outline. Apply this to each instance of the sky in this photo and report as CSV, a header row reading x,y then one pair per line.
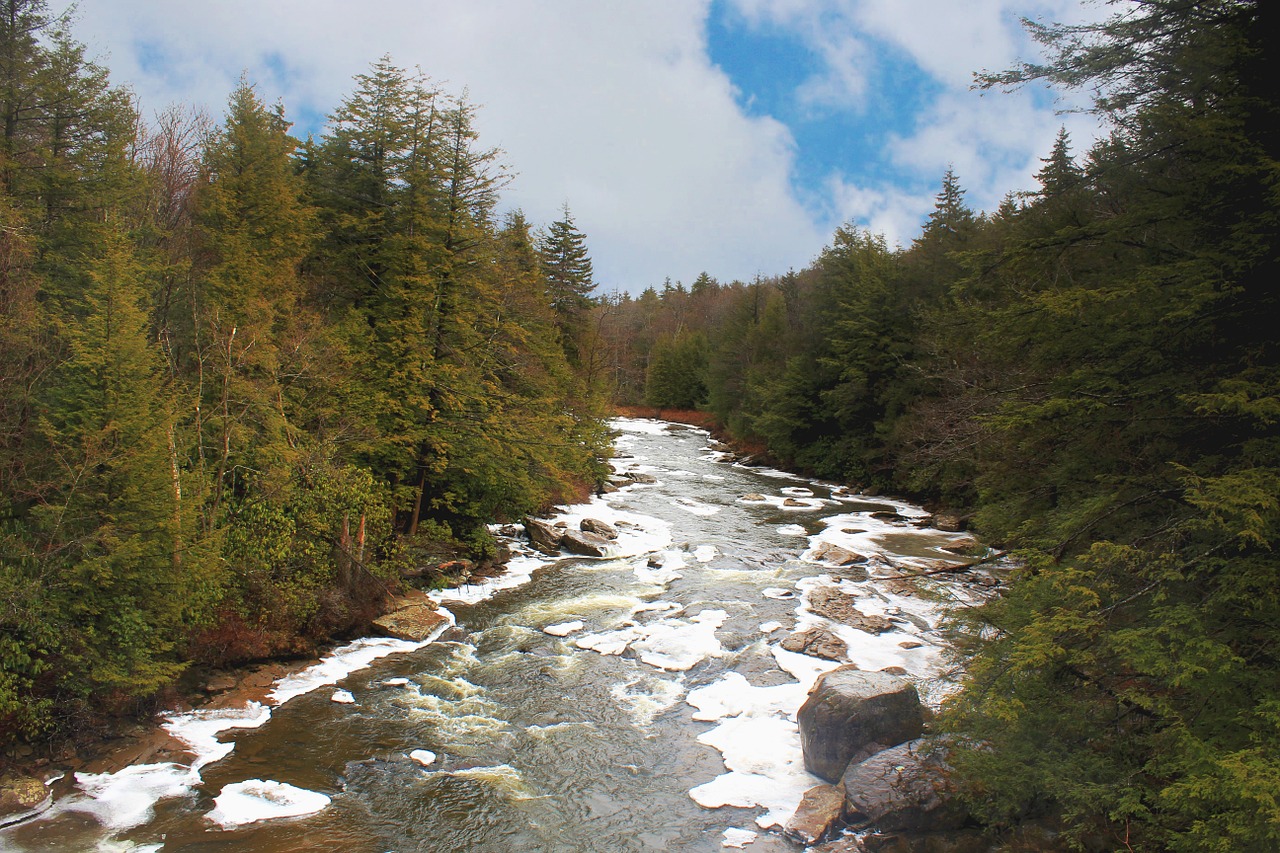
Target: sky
x,y
723,136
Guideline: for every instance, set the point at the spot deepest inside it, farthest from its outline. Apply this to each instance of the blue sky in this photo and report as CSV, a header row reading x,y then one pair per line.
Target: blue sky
x,y
730,136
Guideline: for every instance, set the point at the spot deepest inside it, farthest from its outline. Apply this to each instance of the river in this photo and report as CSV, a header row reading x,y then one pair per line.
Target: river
x,y
638,702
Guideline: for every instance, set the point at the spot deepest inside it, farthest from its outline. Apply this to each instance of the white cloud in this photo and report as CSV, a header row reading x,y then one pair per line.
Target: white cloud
x,y
614,108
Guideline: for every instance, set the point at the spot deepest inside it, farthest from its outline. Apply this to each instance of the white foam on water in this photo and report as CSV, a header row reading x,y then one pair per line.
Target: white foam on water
x,y
564,629
678,645
770,627
343,697
696,507
425,757
772,473
792,530
126,799
396,682
778,593
338,664
797,491
705,553
766,768
732,696
199,729
640,426
517,572
254,800
670,644
738,838
647,697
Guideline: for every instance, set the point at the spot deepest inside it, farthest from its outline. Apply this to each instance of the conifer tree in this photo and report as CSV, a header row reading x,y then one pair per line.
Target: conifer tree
x,y
567,267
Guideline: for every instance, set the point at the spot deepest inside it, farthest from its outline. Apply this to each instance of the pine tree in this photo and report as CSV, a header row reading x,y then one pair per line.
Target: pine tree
x,y
567,267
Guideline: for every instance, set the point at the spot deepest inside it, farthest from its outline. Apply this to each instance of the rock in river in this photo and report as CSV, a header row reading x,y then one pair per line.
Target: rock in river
x,y
851,714
22,797
818,643
903,789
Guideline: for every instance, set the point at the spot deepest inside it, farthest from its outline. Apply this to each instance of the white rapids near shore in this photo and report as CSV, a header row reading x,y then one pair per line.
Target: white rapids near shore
x,y
685,612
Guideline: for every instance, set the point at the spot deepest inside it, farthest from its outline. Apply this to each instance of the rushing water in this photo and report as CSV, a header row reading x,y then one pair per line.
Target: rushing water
x,y
637,702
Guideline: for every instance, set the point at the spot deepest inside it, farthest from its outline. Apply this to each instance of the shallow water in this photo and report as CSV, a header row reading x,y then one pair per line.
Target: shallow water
x,y
625,733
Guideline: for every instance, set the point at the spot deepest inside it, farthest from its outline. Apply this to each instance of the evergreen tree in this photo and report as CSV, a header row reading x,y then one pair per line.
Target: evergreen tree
x,y
566,265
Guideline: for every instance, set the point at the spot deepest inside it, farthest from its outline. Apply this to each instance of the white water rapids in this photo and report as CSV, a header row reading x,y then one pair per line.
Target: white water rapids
x,y
640,701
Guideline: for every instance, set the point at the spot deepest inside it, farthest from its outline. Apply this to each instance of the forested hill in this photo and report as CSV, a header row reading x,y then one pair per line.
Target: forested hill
x,y
243,380
1092,372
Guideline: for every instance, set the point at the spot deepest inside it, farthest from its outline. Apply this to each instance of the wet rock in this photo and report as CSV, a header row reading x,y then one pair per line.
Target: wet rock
x,y
852,531
754,498
792,502
817,642
637,477
910,644
21,798
851,714
414,622
891,517
818,814
598,527
585,544
965,546
893,670
219,683
831,603
543,536
948,522
606,488
903,789
825,552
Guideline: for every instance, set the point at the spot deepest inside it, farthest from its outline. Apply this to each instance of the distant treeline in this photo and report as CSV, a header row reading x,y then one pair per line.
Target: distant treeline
x,y
1091,371
243,380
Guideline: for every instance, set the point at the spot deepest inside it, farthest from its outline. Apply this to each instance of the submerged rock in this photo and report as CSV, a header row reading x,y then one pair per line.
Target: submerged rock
x,y
851,714
903,789
819,812
817,642
21,798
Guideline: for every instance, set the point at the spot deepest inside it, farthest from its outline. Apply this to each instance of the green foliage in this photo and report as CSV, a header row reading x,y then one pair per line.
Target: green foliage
x,y
676,372
236,377
1092,371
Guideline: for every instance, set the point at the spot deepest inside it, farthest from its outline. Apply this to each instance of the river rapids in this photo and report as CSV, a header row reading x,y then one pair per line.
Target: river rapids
x,y
637,702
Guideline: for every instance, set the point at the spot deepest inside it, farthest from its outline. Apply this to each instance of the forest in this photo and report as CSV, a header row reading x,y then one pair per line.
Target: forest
x,y
1089,374
245,379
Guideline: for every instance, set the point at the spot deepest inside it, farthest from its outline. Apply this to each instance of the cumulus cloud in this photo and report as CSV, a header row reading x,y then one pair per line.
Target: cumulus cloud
x,y
618,110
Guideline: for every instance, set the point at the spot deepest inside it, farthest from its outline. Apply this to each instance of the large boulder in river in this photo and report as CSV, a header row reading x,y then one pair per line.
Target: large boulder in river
x,y
903,789
543,535
22,797
598,527
586,544
851,714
